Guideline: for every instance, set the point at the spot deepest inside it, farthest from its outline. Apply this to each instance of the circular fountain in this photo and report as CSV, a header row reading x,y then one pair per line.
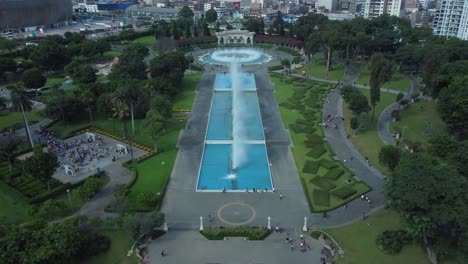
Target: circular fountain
x,y
242,56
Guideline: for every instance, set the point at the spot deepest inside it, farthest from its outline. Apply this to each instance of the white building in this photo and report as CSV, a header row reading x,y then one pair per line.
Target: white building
x,y
375,8
330,5
207,6
83,7
451,19
221,11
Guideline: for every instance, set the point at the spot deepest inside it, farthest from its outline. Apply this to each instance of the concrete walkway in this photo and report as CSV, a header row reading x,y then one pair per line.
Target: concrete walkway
x,y
191,247
95,206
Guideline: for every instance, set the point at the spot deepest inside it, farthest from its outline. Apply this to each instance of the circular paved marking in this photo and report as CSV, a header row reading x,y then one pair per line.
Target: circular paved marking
x,y
236,209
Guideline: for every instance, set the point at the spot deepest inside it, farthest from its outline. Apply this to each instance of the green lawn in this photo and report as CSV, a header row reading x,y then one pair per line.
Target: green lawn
x,y
317,70
8,118
369,143
111,54
184,100
121,243
312,180
398,82
55,80
420,121
153,175
358,241
147,41
14,205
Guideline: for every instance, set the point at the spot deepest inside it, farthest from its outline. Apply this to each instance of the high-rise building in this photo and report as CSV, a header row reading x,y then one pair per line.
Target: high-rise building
x,y
375,8
451,19
330,5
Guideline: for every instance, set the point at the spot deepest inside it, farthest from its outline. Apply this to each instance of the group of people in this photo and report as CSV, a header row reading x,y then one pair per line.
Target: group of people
x,y
366,199
332,121
302,243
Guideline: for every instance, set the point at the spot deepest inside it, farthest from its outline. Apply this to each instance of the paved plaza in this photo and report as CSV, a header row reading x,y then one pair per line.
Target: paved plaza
x,y
191,247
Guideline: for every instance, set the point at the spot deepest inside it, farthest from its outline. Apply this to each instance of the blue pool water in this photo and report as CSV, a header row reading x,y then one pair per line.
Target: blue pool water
x,y
208,59
215,166
223,81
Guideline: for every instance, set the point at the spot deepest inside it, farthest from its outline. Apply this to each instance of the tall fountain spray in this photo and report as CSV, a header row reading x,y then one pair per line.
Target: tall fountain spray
x,y
235,57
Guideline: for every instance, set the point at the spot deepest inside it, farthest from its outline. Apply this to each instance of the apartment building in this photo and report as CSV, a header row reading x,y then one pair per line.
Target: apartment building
x,y
375,8
451,19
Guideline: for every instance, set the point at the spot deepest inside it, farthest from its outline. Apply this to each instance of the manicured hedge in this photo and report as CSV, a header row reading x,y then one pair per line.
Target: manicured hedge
x,y
321,197
287,105
252,233
314,139
328,164
309,129
343,192
276,68
333,174
316,152
311,167
323,183
296,128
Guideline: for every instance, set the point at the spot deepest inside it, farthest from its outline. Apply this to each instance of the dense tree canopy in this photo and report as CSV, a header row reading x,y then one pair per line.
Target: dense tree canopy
x,y
453,107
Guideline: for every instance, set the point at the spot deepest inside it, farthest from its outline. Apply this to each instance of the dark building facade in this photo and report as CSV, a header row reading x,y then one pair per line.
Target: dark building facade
x,y
16,14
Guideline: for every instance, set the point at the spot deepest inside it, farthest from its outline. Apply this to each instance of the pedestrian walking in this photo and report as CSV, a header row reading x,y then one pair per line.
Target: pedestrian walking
x,y
281,196
163,253
292,247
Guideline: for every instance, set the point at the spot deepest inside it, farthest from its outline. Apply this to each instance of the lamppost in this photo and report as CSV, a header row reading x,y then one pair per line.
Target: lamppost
x,y
69,197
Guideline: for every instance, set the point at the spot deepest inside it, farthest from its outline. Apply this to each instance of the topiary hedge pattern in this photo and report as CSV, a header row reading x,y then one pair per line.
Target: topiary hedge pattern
x,y
321,197
343,192
328,164
316,152
323,183
252,233
311,167
333,174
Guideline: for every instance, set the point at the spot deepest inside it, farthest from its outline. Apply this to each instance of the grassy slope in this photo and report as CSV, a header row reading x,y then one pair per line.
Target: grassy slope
x,y
8,118
369,142
147,41
421,120
120,244
317,69
184,100
13,205
358,241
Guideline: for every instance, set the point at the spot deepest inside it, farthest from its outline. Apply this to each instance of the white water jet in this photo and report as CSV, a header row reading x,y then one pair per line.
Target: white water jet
x,y
239,110
231,176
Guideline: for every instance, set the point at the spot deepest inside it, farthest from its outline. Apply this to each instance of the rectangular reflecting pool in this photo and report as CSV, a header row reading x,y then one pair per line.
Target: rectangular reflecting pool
x,y
215,166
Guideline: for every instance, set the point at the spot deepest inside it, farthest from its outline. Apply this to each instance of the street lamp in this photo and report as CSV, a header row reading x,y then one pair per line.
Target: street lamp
x,y
69,197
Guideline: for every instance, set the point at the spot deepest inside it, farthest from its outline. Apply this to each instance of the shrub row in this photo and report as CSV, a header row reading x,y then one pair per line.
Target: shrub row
x,y
276,68
252,233
343,192
333,174
328,164
316,152
321,197
323,183
310,167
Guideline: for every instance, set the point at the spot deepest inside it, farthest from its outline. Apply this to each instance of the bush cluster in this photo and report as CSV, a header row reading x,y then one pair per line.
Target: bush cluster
x,y
391,242
252,233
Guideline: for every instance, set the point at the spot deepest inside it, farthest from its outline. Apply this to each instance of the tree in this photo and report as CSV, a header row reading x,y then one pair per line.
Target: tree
x,y
20,102
380,73
120,112
453,107
430,195
7,65
33,78
88,98
211,16
156,123
389,156
358,103
8,152
354,122
460,159
81,73
141,225
286,63
441,145
311,46
186,12
129,93
49,55
399,96
162,104
7,44
41,165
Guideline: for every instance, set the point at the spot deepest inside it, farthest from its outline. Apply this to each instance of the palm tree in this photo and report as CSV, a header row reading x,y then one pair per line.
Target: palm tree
x,y
156,124
20,102
129,93
3,103
8,152
120,112
87,98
